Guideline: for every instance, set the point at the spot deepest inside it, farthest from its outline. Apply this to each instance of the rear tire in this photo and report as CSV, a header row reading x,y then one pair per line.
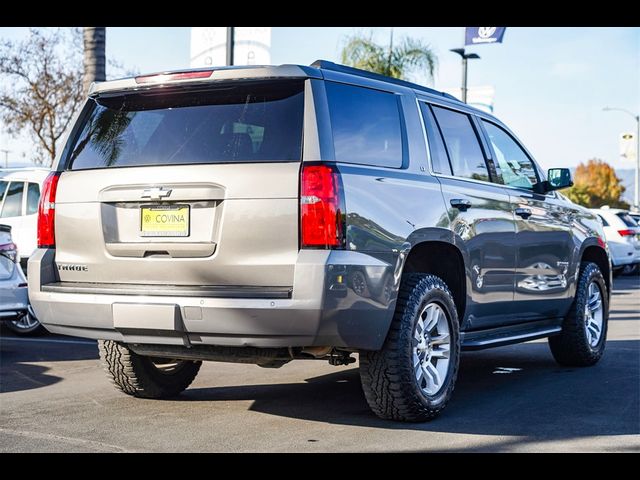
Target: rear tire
x,y
584,330
405,380
145,377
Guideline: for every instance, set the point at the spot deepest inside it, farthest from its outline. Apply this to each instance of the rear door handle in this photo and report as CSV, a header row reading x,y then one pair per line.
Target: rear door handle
x,y
523,212
461,204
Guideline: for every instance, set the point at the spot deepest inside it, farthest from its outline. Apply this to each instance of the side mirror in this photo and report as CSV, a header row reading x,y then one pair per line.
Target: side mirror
x,y
557,179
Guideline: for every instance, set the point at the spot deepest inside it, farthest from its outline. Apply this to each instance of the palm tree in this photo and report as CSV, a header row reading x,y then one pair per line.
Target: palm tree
x,y
94,56
394,61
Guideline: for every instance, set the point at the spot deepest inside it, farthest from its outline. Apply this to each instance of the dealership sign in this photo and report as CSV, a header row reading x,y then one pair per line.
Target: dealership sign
x,y
476,35
252,46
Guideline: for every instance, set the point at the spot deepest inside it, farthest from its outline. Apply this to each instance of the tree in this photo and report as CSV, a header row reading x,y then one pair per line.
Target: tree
x,y
94,56
41,87
398,61
596,185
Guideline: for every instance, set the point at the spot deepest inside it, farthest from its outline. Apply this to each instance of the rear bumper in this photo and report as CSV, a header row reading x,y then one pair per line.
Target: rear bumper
x,y
622,254
14,300
321,308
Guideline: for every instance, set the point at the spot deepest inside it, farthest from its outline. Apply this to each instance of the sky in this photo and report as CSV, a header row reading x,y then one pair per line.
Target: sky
x,y
550,83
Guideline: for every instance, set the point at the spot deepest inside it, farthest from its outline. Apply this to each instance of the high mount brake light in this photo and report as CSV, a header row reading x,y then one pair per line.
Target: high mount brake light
x,y
171,77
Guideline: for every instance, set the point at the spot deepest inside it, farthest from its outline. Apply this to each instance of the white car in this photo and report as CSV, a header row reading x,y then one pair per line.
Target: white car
x,y
19,196
15,311
623,237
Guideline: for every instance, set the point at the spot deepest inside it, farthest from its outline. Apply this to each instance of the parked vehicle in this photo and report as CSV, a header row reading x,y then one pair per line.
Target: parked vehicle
x,y
19,195
14,302
264,214
623,236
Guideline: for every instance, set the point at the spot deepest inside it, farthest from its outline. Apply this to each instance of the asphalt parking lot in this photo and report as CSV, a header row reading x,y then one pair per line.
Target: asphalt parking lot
x,y
54,397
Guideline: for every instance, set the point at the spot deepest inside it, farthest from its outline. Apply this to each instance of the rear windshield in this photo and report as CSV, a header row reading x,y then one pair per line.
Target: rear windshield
x,y
248,122
627,219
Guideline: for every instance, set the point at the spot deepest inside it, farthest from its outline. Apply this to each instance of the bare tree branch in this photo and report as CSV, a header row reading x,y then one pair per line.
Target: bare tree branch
x,y
41,86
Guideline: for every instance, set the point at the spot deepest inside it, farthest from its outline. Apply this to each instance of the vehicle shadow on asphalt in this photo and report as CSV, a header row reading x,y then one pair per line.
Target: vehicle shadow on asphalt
x,y
513,391
17,372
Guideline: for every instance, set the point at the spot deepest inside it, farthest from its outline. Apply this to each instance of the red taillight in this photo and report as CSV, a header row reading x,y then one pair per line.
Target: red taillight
x,y
47,211
171,77
321,218
626,233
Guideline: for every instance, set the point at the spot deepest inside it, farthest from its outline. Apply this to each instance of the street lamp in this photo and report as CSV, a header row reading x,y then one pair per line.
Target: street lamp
x,y
465,57
636,203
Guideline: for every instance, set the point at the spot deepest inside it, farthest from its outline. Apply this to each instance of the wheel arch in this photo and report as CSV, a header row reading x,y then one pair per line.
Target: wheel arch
x,y
439,255
594,250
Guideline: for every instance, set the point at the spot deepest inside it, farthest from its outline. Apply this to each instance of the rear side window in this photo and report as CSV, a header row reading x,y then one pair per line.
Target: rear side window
x,y
366,125
462,144
439,158
247,122
33,197
627,219
12,206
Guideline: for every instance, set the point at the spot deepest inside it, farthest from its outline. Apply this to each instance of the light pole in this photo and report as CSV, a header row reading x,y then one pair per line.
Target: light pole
x,y
6,157
231,33
636,196
465,57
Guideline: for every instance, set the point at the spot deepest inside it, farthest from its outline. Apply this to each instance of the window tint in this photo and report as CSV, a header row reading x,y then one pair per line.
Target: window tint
x,y
13,200
604,222
33,197
366,125
515,166
248,122
439,158
627,219
462,144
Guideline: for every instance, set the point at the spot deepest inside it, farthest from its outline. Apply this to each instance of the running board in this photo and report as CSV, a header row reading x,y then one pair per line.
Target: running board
x,y
521,332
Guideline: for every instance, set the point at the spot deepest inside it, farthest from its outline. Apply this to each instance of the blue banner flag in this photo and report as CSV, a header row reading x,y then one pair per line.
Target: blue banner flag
x,y
477,35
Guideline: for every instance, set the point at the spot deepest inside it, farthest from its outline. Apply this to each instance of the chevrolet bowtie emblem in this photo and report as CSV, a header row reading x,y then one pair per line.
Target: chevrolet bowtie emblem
x,y
156,193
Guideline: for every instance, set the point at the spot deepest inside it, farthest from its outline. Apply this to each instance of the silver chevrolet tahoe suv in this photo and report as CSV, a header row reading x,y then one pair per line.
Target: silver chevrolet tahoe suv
x,y
268,213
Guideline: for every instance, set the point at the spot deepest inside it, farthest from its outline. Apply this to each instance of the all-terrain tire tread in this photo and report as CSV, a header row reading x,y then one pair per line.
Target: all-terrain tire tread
x,y
570,347
386,376
135,375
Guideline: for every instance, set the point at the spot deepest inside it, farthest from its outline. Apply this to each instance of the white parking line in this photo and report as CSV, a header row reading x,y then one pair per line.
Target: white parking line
x,y
45,340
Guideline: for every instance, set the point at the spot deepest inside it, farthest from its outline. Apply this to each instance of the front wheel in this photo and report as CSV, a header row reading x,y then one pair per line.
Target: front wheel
x,y
146,377
412,377
584,330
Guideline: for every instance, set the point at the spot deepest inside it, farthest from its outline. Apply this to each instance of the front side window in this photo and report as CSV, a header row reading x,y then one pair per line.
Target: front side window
x,y
516,167
13,200
228,123
465,154
366,125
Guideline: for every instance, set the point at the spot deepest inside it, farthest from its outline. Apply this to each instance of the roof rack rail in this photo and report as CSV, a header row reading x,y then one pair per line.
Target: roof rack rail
x,y
326,65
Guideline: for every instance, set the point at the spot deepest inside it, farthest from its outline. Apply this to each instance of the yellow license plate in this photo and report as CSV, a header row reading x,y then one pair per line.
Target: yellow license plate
x,y
164,221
